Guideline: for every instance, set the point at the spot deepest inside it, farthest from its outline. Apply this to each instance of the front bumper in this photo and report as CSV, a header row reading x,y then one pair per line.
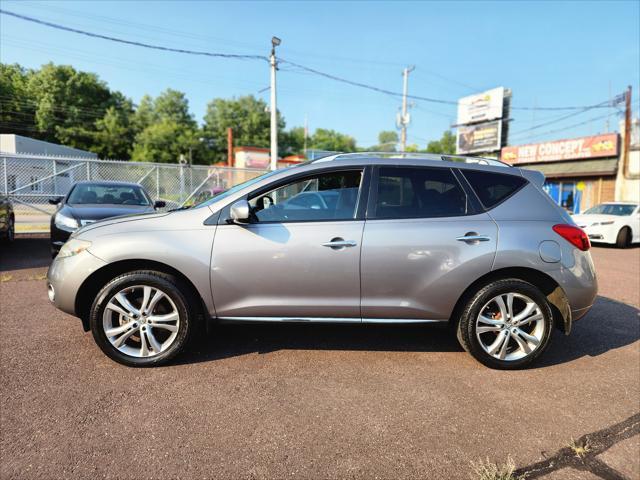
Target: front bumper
x,y
65,277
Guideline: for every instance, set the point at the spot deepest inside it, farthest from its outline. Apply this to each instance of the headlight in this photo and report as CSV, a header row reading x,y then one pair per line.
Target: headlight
x,y
73,247
66,223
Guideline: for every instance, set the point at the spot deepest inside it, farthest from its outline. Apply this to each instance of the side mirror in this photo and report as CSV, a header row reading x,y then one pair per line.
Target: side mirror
x,y
55,201
240,212
159,204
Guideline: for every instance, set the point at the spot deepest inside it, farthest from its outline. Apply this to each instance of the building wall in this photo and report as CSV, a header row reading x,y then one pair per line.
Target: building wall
x,y
11,143
596,190
628,183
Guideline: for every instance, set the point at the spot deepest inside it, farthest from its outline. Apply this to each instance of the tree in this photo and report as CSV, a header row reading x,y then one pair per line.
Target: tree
x,y
387,141
166,129
114,134
247,116
446,144
323,139
17,114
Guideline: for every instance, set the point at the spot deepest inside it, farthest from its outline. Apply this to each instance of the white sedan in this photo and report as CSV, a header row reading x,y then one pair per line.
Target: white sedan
x,y
616,223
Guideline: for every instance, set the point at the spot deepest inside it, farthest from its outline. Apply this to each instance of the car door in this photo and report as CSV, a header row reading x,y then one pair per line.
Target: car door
x,y
425,240
296,259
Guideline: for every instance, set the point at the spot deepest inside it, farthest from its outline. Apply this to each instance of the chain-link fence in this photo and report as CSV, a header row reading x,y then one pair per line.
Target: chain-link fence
x,y
31,180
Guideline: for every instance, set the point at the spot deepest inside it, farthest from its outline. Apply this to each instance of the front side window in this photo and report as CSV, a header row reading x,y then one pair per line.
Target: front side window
x,y
611,209
408,192
328,196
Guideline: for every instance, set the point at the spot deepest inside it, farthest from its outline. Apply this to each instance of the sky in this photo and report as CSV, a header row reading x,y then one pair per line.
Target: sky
x,y
550,54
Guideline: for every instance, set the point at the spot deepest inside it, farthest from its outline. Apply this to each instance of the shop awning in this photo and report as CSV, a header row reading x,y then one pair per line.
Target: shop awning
x,y
576,168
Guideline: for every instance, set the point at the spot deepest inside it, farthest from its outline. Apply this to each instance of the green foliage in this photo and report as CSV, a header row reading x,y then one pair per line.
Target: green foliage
x,y
446,144
59,104
166,129
387,141
323,139
247,116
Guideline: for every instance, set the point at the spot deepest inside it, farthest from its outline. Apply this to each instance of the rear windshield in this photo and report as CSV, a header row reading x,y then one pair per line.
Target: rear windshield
x,y
108,195
492,188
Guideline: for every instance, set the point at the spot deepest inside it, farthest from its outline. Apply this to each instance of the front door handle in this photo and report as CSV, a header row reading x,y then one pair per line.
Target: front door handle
x,y
473,237
337,243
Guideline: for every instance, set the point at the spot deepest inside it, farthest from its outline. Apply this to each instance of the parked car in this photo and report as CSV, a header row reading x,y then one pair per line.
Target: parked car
x,y
475,244
88,202
7,221
615,223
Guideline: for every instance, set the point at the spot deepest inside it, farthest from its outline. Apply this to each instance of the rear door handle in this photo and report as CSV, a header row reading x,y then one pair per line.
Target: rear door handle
x,y
473,238
337,243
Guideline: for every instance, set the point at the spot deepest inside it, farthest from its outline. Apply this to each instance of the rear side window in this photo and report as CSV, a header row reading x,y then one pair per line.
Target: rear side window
x,y
407,192
493,188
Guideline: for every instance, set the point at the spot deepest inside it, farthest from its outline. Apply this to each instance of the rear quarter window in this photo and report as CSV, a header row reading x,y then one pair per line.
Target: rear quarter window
x,y
493,188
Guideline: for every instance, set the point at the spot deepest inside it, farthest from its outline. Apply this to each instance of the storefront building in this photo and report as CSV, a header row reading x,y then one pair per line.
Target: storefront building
x,y
579,172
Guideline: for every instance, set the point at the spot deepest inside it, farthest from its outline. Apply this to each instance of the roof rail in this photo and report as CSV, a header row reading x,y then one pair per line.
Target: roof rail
x,y
415,155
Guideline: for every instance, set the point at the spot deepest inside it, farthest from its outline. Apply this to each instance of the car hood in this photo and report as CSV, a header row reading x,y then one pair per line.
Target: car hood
x,y
588,220
99,212
147,214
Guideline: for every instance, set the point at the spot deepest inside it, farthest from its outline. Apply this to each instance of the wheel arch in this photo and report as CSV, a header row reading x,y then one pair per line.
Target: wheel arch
x,y
92,285
550,288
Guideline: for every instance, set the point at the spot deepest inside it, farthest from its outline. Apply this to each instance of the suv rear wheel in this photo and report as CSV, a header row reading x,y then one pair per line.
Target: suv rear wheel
x,y
506,325
142,318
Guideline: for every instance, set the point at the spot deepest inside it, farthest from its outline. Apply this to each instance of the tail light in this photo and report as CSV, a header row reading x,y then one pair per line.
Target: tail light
x,y
573,235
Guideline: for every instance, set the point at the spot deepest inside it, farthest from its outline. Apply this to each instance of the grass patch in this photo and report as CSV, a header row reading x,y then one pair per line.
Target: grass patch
x,y
580,449
487,470
40,276
5,278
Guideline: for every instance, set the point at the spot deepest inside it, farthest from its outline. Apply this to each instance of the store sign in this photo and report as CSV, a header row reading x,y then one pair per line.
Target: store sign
x,y
481,107
484,137
579,148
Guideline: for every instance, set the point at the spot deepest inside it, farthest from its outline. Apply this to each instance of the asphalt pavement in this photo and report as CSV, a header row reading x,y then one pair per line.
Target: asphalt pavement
x,y
314,401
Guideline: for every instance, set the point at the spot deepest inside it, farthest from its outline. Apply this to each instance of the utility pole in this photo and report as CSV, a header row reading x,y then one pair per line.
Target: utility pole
x,y
306,134
275,41
404,117
229,147
627,133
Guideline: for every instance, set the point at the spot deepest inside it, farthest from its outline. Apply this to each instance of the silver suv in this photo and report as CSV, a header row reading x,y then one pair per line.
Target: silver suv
x,y
353,238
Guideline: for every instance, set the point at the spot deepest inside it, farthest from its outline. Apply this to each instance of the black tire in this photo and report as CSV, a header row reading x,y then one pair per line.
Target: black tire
x,y
179,293
10,234
466,331
624,238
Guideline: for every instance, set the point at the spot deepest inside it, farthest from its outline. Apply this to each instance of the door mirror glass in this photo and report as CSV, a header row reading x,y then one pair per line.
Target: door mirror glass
x,y
159,204
240,212
55,201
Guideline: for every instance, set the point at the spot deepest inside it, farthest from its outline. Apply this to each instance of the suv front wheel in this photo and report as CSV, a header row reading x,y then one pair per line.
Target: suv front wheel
x,y
506,325
142,318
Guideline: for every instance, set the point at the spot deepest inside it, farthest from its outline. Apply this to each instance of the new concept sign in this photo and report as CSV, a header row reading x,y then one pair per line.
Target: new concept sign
x,y
484,137
481,107
579,148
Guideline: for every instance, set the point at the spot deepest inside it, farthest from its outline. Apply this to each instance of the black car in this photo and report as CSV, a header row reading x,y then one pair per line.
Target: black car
x,y
7,221
88,202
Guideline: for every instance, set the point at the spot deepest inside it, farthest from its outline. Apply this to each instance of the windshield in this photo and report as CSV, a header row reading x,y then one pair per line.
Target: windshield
x,y
100,194
235,189
611,209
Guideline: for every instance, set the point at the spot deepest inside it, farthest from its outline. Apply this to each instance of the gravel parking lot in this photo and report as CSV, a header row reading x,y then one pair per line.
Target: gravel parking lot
x,y
314,401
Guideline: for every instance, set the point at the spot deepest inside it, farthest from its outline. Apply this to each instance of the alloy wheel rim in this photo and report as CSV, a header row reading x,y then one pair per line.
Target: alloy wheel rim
x,y
510,326
141,321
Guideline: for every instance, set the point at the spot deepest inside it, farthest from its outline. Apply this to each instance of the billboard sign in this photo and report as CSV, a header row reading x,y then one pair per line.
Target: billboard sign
x,y
596,146
481,107
484,137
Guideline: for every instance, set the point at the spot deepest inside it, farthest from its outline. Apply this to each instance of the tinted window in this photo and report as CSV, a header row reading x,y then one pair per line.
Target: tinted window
x,y
329,196
611,209
418,192
492,188
108,195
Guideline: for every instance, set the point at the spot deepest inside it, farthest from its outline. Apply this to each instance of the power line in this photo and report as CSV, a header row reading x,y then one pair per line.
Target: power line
x,y
132,42
564,117
264,58
569,127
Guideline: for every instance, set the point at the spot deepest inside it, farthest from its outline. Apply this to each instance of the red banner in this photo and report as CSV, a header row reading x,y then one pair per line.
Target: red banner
x,y
576,149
